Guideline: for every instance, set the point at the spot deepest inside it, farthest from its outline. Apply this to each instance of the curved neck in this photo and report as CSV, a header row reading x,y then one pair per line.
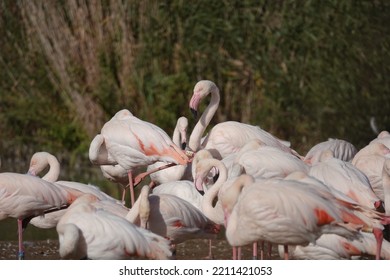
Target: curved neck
x,y
195,138
54,169
135,212
207,203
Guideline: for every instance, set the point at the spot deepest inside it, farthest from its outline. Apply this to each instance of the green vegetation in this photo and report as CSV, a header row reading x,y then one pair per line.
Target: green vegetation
x,y
303,70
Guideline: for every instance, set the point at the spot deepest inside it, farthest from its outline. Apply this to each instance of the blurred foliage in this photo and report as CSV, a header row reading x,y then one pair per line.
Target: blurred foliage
x,y
303,70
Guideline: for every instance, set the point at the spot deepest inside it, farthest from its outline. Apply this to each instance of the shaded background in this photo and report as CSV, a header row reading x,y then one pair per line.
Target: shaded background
x,y
302,70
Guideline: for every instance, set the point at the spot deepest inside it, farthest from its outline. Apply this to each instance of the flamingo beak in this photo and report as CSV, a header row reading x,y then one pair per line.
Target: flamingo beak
x,y
194,113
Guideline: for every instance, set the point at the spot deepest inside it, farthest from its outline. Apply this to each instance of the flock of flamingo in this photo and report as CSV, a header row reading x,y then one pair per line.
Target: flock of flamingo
x,y
332,203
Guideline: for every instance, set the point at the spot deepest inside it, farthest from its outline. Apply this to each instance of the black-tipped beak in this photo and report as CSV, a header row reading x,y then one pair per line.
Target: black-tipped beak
x,y
201,192
194,113
183,145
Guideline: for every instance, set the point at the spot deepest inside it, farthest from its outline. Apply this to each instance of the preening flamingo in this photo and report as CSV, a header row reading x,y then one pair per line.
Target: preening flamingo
x,y
131,142
282,212
89,232
336,247
370,160
341,149
226,137
173,173
383,137
267,162
171,217
39,162
24,197
346,178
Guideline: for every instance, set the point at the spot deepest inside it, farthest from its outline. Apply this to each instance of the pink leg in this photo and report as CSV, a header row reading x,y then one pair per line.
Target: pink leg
x,y
20,237
379,239
239,253
142,176
254,251
234,250
285,252
262,250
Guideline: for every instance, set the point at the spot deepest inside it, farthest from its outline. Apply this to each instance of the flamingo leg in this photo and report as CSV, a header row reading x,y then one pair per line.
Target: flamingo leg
x,y
379,239
124,195
254,257
262,250
131,186
20,238
285,252
234,251
270,251
210,249
142,176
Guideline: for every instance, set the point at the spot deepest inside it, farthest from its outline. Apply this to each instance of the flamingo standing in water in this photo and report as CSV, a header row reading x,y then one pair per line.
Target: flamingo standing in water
x,y
24,197
226,137
131,142
86,231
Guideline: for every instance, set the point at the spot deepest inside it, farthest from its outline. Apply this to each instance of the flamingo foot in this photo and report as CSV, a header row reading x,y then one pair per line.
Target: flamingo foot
x,y
20,255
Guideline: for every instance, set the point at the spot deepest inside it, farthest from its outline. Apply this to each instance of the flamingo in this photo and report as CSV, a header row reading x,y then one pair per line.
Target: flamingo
x,y
341,149
226,137
383,137
173,173
346,178
171,217
268,162
283,212
89,232
336,247
24,196
370,160
131,142
117,174
211,209
39,161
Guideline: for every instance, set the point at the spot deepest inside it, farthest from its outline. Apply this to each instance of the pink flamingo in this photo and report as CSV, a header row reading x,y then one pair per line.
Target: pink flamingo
x,y
173,173
283,212
346,178
171,217
336,247
341,149
86,231
226,137
24,197
268,162
39,162
383,137
370,160
131,142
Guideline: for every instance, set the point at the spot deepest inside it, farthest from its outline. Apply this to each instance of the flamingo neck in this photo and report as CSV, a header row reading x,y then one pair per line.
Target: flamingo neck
x,y
54,169
207,203
194,142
